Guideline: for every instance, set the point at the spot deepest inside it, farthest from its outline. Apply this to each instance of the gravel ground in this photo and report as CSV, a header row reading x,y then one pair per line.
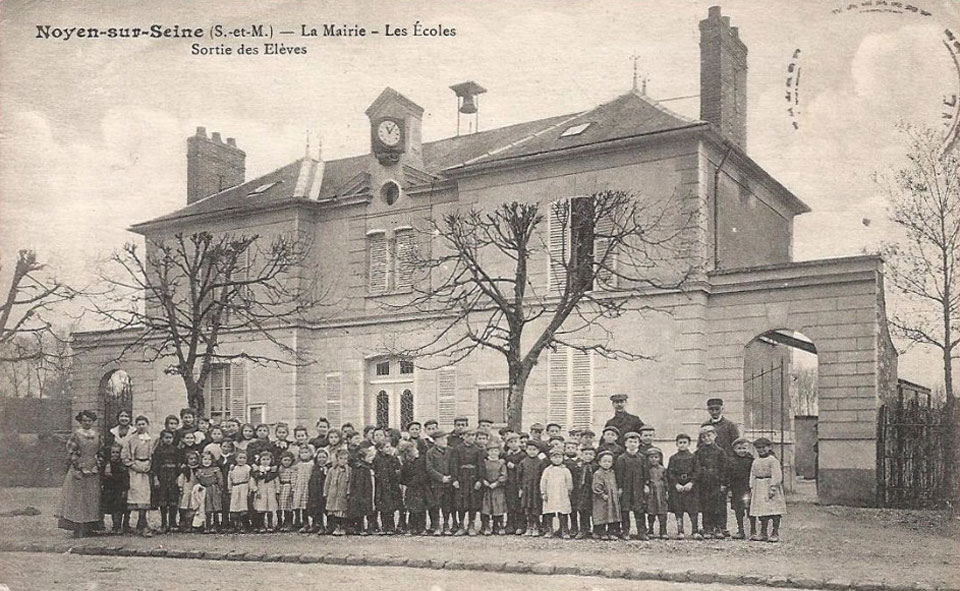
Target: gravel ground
x,y
21,571
818,543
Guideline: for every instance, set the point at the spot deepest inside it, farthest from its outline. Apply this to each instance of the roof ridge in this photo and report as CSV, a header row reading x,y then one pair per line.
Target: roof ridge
x,y
665,110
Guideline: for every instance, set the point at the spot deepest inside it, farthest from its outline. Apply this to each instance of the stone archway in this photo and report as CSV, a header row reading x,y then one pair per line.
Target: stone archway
x,y
839,305
116,394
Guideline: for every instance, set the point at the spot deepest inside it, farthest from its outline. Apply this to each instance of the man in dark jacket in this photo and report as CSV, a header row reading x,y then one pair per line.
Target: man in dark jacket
x,y
725,429
622,420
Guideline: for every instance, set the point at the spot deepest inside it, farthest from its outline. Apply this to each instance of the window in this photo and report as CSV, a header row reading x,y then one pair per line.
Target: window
x,y
580,246
446,395
406,408
492,403
258,414
333,384
406,367
383,368
378,255
575,129
570,387
383,409
218,392
404,246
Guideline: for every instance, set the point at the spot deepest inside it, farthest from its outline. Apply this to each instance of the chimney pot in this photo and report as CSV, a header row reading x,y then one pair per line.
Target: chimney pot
x,y
713,12
726,21
201,131
232,142
216,137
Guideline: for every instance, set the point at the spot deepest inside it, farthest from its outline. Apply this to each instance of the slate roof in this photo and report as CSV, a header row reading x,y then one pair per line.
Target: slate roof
x,y
627,116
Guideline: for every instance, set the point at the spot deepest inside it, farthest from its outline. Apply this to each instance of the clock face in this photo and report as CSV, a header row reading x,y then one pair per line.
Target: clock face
x,y
388,132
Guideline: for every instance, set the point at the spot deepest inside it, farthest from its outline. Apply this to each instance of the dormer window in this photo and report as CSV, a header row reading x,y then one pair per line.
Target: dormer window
x,y
576,129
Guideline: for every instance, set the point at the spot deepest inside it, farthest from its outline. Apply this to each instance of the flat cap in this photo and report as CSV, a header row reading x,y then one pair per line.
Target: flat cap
x,y
612,428
714,402
536,427
618,398
646,428
653,450
631,435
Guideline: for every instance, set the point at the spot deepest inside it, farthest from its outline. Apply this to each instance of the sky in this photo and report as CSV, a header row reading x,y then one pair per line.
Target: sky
x,y
92,132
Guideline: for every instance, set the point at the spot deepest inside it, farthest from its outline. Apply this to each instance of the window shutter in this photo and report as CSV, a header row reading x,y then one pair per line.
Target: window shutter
x,y
238,390
405,251
334,404
605,259
447,395
581,389
557,385
557,231
378,254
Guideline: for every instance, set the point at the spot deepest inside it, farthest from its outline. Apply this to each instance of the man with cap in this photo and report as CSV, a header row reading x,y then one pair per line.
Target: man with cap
x,y
442,516
622,420
725,429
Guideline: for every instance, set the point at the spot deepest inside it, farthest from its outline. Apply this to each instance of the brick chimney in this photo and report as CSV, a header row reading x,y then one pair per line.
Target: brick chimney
x,y
212,165
723,77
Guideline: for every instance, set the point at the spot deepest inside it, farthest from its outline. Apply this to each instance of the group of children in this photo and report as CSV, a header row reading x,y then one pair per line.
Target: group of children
x,y
234,477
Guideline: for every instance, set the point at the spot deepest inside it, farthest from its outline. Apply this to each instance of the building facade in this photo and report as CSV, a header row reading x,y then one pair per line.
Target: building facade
x,y
737,317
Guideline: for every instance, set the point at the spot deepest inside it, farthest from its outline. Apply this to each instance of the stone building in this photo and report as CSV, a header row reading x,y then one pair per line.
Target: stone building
x,y
735,321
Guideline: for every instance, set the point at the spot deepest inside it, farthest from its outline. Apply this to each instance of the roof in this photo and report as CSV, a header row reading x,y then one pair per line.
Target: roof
x,y
631,115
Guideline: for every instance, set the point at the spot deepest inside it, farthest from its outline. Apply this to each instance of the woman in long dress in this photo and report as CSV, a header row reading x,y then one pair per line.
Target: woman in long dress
x,y
137,455
80,508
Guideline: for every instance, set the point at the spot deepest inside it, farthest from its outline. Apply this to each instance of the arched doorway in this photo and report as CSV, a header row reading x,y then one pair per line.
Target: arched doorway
x,y
780,402
390,392
116,394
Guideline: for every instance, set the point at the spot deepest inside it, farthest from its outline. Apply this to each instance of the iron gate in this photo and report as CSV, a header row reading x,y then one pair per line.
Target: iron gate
x,y
766,405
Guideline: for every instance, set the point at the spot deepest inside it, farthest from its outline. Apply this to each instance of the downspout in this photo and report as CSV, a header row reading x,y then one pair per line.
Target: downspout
x,y
716,215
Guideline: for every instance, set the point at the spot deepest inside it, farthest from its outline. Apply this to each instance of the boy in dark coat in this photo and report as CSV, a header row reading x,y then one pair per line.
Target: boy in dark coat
x,y
583,491
438,467
316,502
681,475
418,499
711,482
466,464
632,477
387,496
739,479
114,482
528,480
513,456
361,511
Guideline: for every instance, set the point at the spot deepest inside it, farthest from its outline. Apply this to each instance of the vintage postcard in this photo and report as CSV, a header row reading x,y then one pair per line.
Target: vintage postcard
x,y
598,294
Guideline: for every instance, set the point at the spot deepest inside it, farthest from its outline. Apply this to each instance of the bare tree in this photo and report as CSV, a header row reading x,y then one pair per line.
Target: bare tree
x,y
922,266
37,364
184,294
32,294
600,251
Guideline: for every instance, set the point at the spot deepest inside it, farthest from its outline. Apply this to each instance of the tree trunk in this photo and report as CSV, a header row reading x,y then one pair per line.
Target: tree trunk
x,y
195,397
518,383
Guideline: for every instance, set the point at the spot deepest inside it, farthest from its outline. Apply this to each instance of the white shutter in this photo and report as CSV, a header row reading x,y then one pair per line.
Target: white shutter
x,y
557,385
605,262
558,228
378,255
405,252
334,388
581,389
238,390
446,395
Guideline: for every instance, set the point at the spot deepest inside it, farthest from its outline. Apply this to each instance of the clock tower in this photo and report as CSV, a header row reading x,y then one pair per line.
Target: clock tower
x,y
395,129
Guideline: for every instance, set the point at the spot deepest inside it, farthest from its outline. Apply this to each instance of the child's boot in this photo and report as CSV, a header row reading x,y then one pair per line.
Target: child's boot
x,y
565,527
775,534
662,520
